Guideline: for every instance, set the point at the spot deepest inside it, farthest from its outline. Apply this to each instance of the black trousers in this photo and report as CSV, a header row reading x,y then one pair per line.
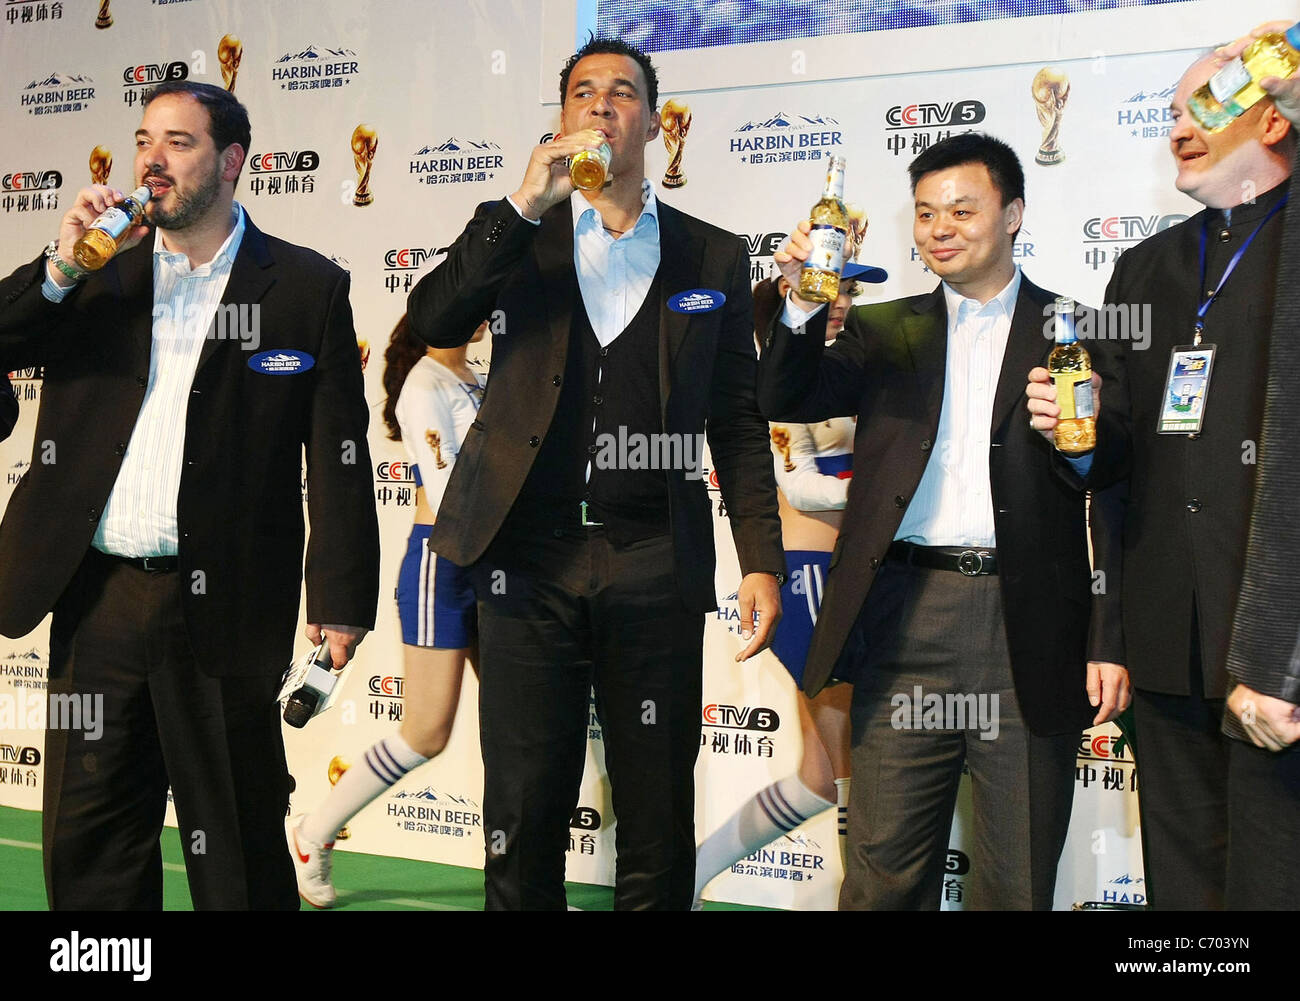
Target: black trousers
x,y
118,641
1264,828
943,633
560,613
1182,769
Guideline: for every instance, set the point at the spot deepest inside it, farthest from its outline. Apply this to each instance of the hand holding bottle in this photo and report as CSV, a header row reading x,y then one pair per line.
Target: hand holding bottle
x,y
90,203
546,180
1285,92
1044,412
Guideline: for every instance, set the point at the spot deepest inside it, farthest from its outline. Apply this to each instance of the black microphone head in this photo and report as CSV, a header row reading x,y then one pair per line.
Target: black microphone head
x,y
301,707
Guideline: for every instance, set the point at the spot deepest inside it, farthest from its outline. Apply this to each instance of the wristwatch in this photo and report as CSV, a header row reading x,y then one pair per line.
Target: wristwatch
x,y
74,273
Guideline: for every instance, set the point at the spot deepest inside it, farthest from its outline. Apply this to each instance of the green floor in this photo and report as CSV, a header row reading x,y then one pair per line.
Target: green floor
x,y
364,882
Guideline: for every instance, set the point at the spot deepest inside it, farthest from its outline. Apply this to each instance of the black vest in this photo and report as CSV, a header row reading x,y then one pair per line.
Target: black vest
x,y
607,419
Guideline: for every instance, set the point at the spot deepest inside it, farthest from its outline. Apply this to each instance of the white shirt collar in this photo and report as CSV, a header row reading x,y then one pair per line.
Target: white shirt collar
x,y
225,253
586,216
1006,299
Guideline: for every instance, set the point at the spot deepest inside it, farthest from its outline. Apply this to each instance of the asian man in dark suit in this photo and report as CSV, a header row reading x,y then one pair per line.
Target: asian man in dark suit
x,y
618,321
161,518
960,579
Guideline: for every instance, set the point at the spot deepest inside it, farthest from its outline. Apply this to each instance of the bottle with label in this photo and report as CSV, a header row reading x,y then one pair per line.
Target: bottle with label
x,y
1071,372
819,280
106,234
587,168
1235,89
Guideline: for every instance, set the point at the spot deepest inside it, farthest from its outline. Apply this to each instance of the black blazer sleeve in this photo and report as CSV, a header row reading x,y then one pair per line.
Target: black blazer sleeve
x,y
1264,653
448,304
801,380
1106,524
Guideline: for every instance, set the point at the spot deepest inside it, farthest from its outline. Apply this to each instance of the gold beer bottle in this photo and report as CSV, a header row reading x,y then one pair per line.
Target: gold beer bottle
x,y
1234,90
100,241
819,281
587,169
1071,372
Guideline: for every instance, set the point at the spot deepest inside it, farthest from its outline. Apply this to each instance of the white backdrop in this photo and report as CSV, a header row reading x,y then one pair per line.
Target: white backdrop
x,y
451,89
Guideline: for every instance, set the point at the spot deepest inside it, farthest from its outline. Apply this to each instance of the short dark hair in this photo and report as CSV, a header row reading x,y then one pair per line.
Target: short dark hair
x,y
974,147
227,118
615,47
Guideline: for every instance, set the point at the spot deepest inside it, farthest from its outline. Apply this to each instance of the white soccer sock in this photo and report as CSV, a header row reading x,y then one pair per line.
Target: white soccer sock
x,y
842,816
382,765
776,810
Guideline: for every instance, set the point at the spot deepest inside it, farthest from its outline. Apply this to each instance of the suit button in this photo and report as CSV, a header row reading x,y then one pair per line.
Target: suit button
x,y
556,380
598,399
604,352
534,441
119,449
91,513
558,533
874,563
1193,505
900,502
1224,236
592,450
141,381
926,445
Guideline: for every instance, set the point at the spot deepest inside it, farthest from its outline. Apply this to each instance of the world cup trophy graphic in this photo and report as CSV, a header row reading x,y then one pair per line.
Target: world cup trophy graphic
x,y
105,19
364,143
337,766
857,230
676,121
101,163
230,50
1051,89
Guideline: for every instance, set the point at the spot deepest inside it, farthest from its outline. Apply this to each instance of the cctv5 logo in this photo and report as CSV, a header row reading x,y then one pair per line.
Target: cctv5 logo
x,y
279,162
26,180
920,116
585,818
155,72
399,472
386,685
741,717
1128,227
410,258
1101,746
28,756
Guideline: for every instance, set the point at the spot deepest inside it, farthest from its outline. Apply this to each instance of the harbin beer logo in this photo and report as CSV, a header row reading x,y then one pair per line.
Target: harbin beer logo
x,y
57,93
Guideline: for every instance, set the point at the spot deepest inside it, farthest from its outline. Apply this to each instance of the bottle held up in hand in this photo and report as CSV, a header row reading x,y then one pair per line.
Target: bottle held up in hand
x,y
107,233
819,280
1071,370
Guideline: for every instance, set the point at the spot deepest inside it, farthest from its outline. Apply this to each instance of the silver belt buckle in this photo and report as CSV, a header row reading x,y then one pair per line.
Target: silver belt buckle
x,y
971,563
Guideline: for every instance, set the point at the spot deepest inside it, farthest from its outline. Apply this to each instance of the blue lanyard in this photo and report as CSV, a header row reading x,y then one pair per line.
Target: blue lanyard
x,y
1232,264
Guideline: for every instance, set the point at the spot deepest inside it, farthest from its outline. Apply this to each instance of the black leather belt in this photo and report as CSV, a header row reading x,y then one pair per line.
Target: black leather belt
x,y
149,564
971,562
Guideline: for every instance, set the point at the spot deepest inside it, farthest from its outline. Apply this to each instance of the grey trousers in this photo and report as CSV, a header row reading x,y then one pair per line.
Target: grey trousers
x,y
933,691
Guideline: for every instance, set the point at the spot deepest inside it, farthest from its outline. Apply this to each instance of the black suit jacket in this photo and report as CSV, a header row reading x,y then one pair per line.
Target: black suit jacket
x,y
888,367
1181,514
523,276
8,408
239,508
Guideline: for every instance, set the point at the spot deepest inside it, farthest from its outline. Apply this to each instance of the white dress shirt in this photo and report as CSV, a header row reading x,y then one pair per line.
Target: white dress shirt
x,y
953,503
140,516
614,274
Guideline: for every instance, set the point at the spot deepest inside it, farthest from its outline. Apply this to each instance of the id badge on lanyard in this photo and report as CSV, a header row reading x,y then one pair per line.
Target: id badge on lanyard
x,y
1187,385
